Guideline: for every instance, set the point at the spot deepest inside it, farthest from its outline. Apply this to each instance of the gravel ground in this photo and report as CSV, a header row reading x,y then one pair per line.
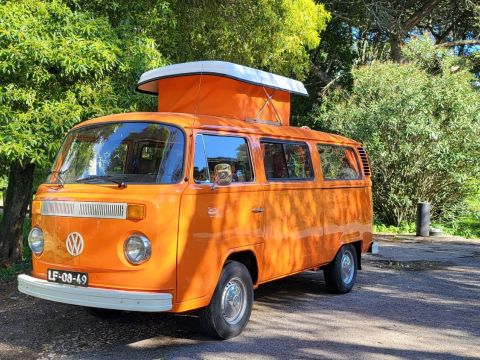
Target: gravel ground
x,y
420,298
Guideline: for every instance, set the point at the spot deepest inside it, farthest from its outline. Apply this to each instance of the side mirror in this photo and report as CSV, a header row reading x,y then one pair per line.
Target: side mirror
x,y
222,174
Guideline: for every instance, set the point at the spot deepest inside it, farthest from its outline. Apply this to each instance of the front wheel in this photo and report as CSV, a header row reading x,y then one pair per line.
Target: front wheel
x,y
229,310
341,273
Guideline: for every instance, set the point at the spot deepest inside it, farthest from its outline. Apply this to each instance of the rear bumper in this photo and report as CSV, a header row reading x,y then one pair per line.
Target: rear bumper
x,y
95,297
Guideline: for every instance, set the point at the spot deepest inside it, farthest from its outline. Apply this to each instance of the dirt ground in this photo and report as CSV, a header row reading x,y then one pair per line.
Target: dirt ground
x,y
420,298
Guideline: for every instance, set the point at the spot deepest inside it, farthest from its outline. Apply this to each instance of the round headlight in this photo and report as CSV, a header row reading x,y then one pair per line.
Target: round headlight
x,y
137,249
35,240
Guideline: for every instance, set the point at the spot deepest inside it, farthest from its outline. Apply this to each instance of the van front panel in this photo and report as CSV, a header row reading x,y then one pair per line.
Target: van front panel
x,y
113,180
102,256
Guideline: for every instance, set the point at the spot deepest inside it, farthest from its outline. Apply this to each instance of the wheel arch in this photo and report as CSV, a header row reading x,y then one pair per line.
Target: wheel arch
x,y
248,259
357,245
358,251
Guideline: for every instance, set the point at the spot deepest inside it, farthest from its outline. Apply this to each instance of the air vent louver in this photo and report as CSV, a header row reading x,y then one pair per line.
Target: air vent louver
x,y
365,163
84,209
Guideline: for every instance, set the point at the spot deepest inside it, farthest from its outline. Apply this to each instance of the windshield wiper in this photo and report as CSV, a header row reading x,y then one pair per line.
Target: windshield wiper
x,y
120,183
58,176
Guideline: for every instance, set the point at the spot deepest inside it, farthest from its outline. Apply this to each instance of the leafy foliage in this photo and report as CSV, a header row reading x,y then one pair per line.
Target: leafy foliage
x,y
420,123
56,68
64,61
61,64
363,32
275,34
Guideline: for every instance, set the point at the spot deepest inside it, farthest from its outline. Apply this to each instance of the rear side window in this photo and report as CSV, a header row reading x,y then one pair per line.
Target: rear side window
x,y
286,161
338,162
211,150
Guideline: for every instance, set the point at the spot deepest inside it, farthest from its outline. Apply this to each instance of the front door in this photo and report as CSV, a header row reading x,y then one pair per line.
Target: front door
x,y
215,219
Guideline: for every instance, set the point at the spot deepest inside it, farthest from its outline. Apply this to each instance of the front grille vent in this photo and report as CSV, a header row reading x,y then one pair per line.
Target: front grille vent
x,y
365,163
84,209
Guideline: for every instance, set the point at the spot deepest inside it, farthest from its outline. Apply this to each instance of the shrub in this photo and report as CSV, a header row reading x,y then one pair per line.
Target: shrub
x,y
420,123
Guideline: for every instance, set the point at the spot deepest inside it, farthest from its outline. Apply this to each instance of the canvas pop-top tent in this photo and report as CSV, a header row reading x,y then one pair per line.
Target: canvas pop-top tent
x,y
223,89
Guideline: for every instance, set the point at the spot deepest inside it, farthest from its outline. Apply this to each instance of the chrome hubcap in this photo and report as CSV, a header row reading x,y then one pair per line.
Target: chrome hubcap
x,y
348,267
233,301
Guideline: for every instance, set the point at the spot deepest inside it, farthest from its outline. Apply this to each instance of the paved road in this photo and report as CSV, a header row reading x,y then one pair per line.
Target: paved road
x,y
416,300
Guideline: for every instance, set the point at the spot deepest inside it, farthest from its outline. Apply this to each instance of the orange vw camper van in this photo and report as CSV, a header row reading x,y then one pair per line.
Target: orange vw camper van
x,y
194,206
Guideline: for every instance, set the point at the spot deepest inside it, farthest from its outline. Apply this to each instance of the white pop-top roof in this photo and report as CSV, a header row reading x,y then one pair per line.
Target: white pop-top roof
x,y
147,82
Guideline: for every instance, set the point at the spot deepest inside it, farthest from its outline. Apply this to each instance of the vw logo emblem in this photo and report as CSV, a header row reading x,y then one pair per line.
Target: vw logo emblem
x,y
74,244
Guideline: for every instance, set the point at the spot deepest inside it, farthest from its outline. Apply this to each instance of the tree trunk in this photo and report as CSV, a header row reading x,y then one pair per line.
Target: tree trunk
x,y
396,37
19,194
396,49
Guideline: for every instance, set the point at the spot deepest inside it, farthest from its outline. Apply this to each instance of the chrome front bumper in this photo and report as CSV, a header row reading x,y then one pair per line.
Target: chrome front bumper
x,y
95,297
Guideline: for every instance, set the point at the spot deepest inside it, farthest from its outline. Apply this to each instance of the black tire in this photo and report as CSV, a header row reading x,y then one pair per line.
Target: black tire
x,y
104,313
336,279
235,283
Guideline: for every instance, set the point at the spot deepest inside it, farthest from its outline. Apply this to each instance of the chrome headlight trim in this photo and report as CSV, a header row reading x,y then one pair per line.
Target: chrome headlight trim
x,y
137,249
36,240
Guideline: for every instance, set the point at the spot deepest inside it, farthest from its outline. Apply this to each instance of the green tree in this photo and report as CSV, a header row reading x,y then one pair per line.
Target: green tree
x,y
57,67
362,32
420,123
274,35
64,61
388,24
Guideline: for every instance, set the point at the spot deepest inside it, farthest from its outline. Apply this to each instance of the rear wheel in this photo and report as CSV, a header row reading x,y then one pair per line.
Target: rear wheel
x,y
341,273
229,310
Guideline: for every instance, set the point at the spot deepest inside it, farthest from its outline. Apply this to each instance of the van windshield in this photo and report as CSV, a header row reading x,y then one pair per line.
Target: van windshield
x,y
129,152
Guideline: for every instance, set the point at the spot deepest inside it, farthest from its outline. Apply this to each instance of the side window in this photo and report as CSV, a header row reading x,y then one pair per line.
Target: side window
x,y
286,161
298,161
211,150
338,162
274,160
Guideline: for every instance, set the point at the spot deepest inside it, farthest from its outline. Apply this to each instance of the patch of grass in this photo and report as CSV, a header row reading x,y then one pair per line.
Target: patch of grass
x,y
9,273
404,228
467,226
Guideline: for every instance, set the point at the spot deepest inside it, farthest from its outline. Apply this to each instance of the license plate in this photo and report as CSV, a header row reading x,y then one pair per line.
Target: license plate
x,y
67,277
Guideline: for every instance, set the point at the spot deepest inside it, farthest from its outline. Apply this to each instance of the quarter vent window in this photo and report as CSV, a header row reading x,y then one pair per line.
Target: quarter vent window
x,y
365,163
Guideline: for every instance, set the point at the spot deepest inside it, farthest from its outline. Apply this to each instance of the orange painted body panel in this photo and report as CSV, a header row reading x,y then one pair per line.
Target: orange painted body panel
x,y
193,229
211,225
293,230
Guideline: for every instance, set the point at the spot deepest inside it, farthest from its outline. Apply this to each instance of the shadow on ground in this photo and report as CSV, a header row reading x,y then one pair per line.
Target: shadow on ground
x,y
424,312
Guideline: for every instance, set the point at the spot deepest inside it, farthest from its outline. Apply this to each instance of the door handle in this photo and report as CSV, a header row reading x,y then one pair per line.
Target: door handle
x,y
257,210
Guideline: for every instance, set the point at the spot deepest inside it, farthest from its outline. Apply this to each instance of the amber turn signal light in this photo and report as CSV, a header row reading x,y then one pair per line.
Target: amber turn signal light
x,y
135,212
36,207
